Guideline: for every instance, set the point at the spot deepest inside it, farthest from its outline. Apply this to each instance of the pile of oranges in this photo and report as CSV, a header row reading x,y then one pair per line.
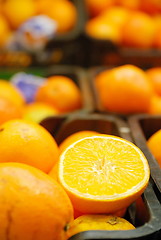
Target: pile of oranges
x,y
128,89
57,95
13,13
134,23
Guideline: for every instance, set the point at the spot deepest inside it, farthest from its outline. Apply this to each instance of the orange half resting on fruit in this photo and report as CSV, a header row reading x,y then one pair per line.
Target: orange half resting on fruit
x,y
103,174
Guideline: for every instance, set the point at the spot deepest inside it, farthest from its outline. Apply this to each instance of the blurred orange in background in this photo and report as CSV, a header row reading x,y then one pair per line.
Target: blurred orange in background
x,y
62,11
139,30
18,11
95,7
60,92
125,89
105,30
154,75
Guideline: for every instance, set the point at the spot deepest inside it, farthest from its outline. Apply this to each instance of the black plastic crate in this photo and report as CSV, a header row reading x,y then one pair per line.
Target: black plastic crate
x,y
77,74
142,127
146,217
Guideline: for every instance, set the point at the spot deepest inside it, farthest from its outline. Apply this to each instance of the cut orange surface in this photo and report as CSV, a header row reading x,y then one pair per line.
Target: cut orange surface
x,y
103,174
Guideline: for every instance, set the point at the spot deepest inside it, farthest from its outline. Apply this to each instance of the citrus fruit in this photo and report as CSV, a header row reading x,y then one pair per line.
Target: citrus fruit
x,y
99,222
95,7
155,105
9,91
36,112
54,171
142,24
9,110
103,174
74,137
154,145
4,31
125,89
60,92
157,36
17,11
26,142
32,204
63,12
116,14
154,75
132,4
100,29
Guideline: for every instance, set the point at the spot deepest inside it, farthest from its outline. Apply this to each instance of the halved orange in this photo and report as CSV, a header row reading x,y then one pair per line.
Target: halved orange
x,y
103,174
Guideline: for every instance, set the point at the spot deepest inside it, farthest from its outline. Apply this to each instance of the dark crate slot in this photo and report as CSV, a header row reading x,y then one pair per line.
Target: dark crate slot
x,y
142,127
145,213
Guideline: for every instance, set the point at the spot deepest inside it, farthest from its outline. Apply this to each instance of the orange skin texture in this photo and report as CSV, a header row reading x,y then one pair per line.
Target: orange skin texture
x,y
154,75
60,92
154,145
124,89
9,110
26,142
32,204
139,31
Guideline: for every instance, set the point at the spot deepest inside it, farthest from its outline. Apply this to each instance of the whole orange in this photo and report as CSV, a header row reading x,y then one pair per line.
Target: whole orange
x,y
125,89
154,75
100,28
18,11
32,205
9,110
139,30
63,12
29,143
61,92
